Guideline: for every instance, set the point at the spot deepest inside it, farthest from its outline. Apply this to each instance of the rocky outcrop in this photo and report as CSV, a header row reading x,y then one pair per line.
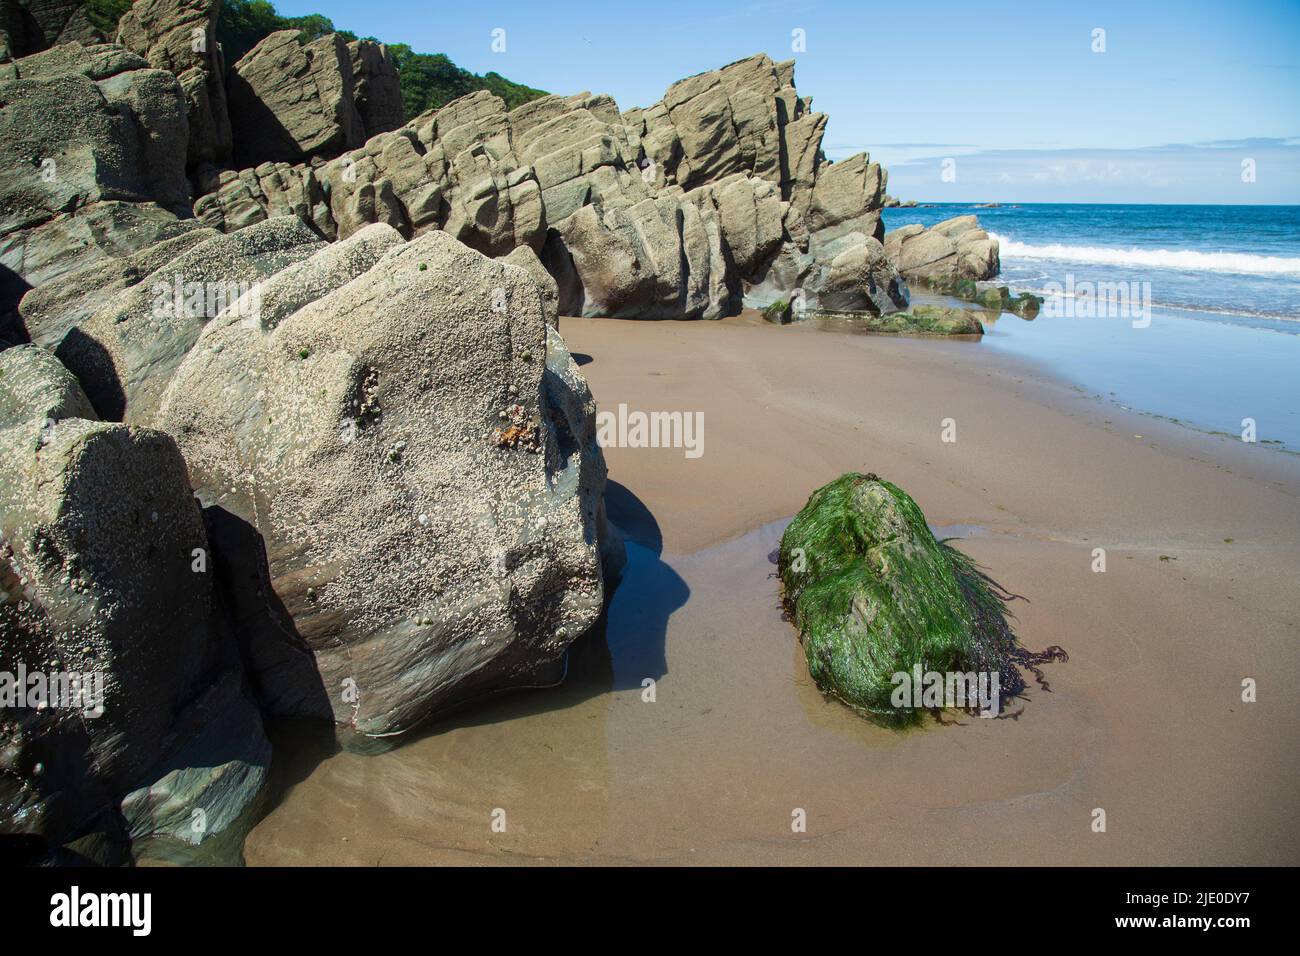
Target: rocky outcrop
x,y
85,124
125,353
431,381
377,91
291,101
715,198
94,140
105,574
179,36
53,308
30,26
953,249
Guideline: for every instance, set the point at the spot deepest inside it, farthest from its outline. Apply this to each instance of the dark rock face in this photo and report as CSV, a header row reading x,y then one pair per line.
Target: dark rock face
x,y
179,36
104,574
30,26
378,93
292,101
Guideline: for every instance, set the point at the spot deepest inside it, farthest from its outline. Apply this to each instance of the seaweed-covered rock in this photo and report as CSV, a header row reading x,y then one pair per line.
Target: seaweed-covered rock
x,y
1025,305
779,312
873,595
919,320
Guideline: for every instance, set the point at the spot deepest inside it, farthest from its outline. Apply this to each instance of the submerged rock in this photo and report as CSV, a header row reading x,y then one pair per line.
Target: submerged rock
x,y
919,320
999,298
874,595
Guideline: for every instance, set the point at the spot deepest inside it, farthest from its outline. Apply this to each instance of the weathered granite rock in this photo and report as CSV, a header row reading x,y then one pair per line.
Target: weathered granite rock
x,y
953,249
103,574
377,92
180,36
474,554
291,101
124,354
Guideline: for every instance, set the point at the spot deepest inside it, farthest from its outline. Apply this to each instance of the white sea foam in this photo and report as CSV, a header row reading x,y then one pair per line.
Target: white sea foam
x,y
1240,263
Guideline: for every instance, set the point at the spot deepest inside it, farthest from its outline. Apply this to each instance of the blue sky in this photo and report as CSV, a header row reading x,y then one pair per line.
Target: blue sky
x,y
1012,92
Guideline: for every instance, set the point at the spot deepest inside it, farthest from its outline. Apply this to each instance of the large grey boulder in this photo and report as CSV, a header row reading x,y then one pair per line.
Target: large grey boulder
x,y
377,90
956,248
180,36
291,101
105,574
416,451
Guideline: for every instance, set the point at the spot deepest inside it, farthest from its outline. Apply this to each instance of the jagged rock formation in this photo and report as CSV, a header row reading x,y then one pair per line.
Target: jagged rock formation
x,y
103,571
94,141
378,93
717,196
291,101
956,248
401,491
180,36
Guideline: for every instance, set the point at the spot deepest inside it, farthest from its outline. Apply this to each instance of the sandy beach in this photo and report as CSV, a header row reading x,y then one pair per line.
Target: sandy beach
x,y
1145,720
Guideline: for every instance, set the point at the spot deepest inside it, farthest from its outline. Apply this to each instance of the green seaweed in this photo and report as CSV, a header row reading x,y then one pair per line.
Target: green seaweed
x,y
873,593
921,320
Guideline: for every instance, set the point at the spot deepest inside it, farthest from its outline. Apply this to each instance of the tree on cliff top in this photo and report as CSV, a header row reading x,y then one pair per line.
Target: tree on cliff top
x,y
428,80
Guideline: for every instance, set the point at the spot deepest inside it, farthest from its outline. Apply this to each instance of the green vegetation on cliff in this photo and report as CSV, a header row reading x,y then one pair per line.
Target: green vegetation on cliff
x,y
428,80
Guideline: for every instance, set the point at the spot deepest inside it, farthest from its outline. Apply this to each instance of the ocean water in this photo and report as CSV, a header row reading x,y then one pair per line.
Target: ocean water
x,y
1210,332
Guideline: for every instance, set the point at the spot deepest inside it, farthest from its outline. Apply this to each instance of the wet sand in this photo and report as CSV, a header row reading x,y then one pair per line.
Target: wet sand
x,y
1145,720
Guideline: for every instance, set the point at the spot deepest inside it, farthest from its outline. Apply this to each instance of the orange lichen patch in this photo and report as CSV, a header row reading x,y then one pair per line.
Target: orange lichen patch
x,y
521,432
